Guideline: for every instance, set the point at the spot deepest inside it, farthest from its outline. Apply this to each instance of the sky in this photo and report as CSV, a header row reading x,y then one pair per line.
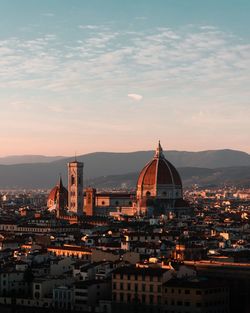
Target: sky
x,y
81,76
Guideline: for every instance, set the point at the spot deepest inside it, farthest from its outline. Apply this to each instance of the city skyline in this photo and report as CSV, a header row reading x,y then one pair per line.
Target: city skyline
x,y
91,76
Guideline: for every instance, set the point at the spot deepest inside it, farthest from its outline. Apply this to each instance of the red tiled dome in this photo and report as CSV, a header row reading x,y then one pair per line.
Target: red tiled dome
x,y
159,171
54,191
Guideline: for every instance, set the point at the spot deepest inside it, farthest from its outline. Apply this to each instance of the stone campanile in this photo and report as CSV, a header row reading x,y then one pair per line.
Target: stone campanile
x,y
75,187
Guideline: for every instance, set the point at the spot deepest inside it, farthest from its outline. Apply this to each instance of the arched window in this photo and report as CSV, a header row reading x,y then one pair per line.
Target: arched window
x,y
89,198
72,180
148,194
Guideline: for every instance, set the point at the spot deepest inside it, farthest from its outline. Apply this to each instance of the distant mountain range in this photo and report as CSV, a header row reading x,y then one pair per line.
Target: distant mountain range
x,y
23,159
107,169
239,176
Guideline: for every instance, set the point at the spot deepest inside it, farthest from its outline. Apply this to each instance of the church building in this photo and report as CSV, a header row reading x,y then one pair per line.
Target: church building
x,y
158,192
159,188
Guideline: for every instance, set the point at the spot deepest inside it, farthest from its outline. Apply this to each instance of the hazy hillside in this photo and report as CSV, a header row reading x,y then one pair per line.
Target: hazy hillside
x,y
23,159
101,164
190,175
108,163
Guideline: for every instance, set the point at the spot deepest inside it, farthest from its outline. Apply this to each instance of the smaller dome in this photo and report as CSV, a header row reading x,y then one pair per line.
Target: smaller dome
x,y
59,192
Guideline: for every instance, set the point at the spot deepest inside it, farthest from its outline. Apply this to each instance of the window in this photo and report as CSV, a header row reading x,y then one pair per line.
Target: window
x,y
159,288
129,286
151,299
121,286
148,194
114,285
136,287
121,297
143,287
89,198
37,295
187,292
151,288
198,292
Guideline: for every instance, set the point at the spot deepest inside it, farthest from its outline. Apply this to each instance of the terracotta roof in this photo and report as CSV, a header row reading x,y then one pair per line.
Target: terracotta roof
x,y
145,271
159,171
59,187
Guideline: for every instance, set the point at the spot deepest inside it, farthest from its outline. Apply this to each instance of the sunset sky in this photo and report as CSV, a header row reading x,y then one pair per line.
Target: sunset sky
x,y
93,75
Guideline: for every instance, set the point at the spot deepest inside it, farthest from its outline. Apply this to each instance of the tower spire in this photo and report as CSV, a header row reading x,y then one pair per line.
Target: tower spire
x,y
158,151
60,184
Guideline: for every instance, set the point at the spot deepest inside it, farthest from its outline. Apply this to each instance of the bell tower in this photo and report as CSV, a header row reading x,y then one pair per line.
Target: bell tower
x,y
75,187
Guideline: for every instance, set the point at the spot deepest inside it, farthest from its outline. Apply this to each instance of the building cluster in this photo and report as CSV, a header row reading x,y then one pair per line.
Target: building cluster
x,y
158,192
143,251
14,199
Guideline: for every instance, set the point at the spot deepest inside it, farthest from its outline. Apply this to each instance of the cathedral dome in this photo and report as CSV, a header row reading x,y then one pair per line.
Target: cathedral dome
x,y
159,178
56,193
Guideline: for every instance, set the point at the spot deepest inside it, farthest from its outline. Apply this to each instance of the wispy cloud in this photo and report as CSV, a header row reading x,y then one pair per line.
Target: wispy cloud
x,y
195,59
48,14
135,97
92,27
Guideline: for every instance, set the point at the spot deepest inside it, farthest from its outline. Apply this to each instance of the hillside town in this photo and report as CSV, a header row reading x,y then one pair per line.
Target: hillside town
x,y
157,248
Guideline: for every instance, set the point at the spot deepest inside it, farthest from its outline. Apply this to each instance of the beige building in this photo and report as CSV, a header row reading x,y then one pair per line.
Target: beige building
x,y
195,296
71,251
138,287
